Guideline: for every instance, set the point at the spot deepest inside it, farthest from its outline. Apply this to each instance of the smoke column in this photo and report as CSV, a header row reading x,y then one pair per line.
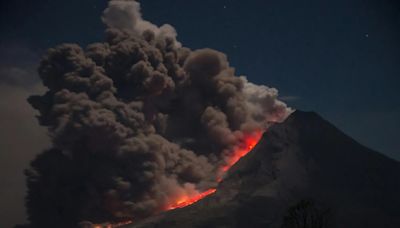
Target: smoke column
x,y
136,122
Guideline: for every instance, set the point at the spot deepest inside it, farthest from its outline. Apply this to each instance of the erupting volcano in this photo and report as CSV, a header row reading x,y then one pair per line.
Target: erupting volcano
x,y
139,124
291,179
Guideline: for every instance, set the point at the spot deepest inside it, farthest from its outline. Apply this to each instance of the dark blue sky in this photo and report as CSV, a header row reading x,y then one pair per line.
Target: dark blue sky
x,y
340,58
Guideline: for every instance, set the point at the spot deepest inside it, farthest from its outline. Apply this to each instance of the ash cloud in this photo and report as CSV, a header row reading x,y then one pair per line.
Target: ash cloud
x,y
137,121
126,15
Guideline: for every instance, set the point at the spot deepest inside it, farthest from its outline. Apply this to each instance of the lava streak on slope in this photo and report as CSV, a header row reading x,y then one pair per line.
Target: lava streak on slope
x,y
247,144
186,200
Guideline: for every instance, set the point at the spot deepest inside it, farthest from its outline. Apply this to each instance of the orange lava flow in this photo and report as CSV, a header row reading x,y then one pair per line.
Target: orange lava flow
x,y
186,201
249,141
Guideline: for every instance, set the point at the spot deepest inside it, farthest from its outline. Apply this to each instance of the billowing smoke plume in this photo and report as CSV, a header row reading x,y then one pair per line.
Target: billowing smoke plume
x,y
136,121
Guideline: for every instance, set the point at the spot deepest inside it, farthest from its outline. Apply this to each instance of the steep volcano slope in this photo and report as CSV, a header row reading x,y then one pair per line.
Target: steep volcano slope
x,y
303,158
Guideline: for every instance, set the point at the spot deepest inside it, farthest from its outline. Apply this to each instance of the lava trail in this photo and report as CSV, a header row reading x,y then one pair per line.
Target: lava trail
x,y
248,143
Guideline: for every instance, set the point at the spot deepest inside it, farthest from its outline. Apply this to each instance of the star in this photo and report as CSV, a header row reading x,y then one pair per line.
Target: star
x,y
224,7
367,35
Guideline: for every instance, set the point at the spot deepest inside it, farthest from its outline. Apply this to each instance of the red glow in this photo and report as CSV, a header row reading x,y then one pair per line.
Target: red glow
x,y
248,142
186,200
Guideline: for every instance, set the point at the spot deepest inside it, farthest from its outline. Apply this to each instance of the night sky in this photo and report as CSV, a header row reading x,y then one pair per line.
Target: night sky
x,y
338,58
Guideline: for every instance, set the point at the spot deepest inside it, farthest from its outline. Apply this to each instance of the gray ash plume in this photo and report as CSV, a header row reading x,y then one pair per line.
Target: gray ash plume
x,y
136,121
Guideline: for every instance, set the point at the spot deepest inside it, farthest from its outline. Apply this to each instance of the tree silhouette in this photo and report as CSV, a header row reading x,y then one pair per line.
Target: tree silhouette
x,y
306,214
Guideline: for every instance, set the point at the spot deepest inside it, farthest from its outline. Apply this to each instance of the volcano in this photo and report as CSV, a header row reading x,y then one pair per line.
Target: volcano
x,y
304,172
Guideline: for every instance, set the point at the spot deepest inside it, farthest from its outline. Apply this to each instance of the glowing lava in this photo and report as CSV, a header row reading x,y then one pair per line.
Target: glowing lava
x,y
186,201
248,142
